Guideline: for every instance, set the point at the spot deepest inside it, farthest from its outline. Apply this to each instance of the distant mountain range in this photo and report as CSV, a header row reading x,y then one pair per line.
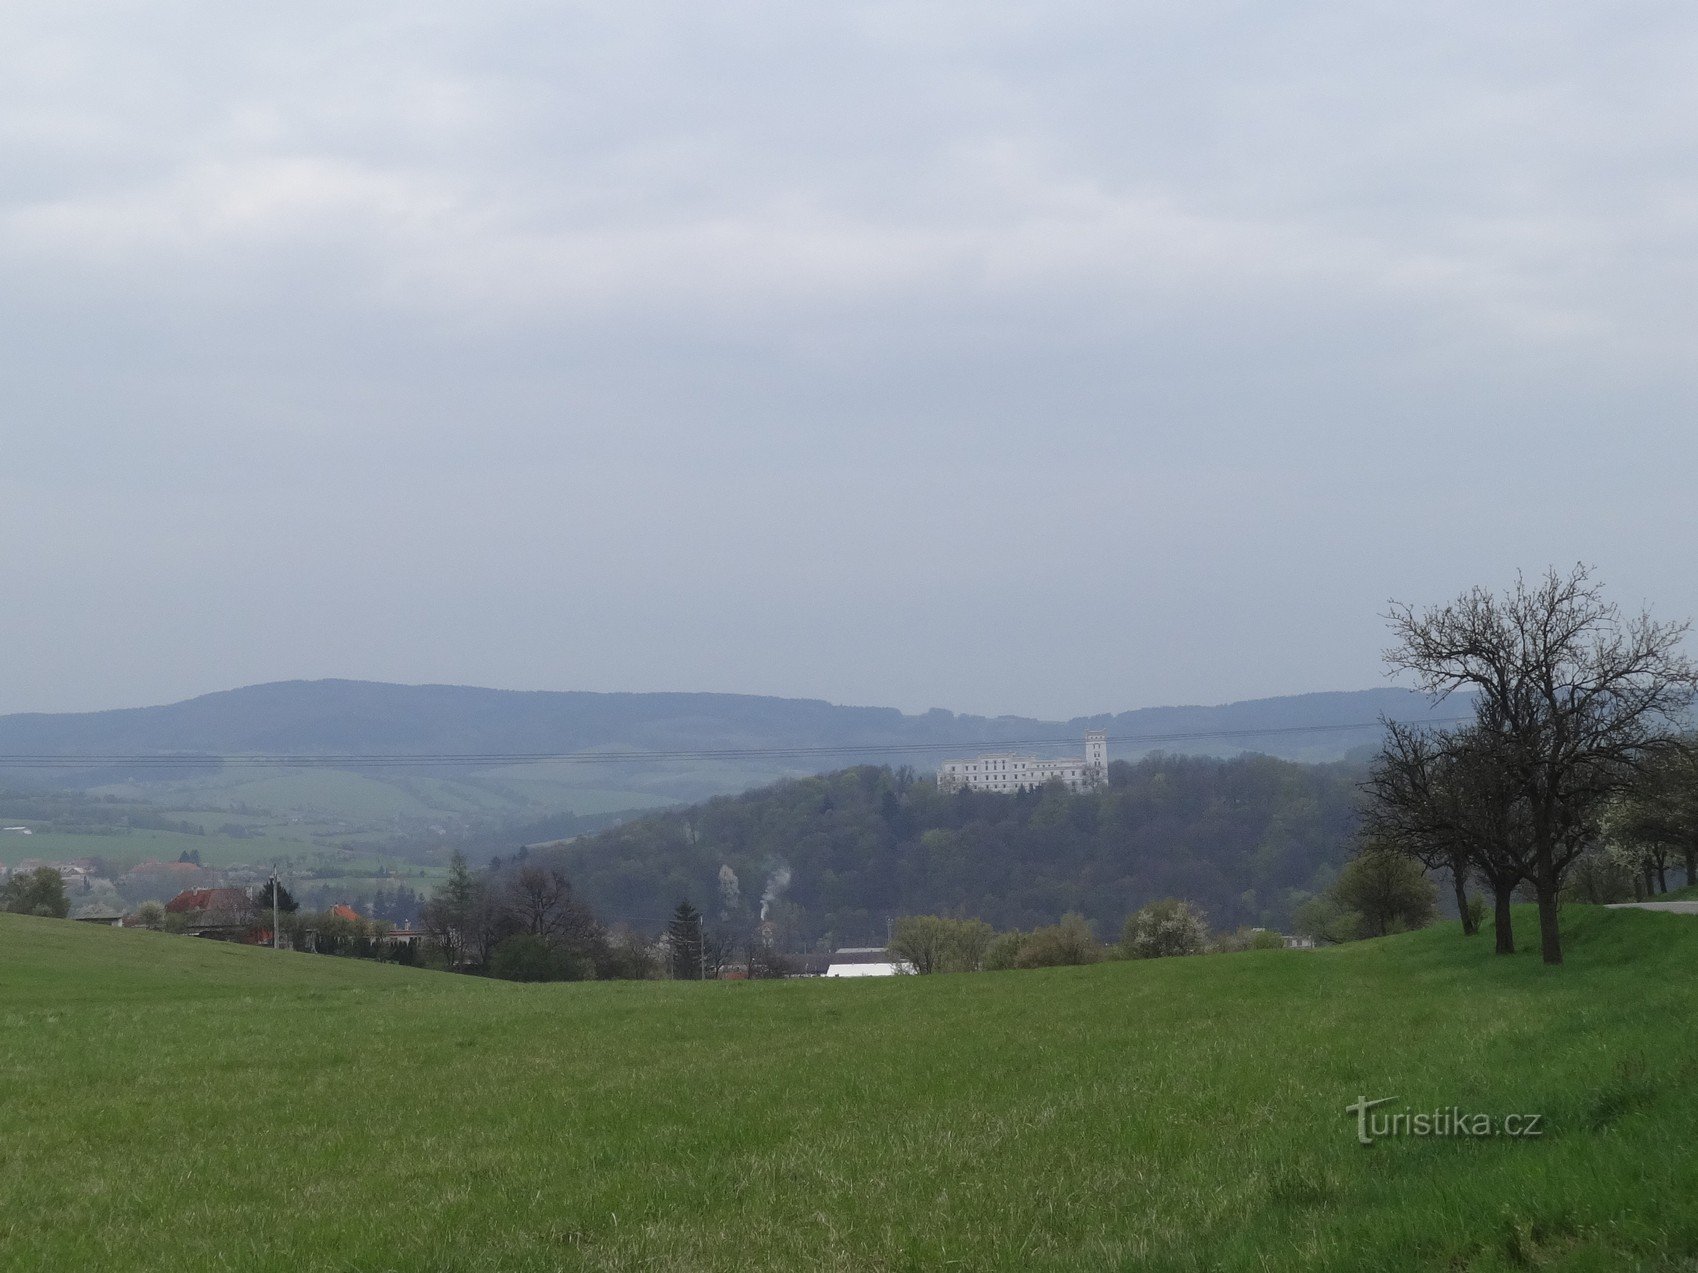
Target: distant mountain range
x,y
371,719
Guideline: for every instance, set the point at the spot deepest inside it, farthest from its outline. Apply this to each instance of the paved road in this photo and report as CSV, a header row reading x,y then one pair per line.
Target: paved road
x,y
1678,908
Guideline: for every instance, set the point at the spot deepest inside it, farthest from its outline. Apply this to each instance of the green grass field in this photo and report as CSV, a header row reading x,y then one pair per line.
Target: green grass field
x,y
174,1104
365,798
301,859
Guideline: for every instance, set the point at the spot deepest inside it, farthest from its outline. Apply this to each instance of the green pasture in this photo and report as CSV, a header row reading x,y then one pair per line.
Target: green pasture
x,y
178,1104
125,848
355,801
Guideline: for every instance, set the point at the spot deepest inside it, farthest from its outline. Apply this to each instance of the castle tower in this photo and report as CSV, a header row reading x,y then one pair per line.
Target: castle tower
x,y
1096,753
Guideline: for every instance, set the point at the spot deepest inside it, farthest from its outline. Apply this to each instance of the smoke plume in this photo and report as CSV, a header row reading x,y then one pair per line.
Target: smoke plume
x,y
776,883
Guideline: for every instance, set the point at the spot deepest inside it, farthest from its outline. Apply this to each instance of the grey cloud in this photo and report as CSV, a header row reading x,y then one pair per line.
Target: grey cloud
x,y
875,352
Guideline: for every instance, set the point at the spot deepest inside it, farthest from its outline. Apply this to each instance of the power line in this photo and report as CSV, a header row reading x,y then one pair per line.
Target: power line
x,y
391,760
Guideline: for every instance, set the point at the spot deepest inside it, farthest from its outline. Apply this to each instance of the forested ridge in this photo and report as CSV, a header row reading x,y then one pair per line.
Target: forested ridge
x,y
360,718
1248,839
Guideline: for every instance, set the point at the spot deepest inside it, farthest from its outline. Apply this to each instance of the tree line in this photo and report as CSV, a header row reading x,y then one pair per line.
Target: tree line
x,y
521,920
1571,766
1168,927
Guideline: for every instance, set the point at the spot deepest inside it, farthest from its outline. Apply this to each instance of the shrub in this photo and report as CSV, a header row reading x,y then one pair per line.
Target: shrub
x,y
1003,952
1249,939
527,957
1165,928
1069,942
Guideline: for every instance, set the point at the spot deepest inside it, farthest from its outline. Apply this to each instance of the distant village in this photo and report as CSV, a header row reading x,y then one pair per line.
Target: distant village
x,y
186,896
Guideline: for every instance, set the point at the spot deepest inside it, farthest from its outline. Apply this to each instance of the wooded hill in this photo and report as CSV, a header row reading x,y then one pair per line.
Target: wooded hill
x,y
370,718
1246,838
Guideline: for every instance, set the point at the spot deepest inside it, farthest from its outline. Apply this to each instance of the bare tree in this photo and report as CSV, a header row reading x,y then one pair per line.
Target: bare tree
x,y
539,898
1576,697
1450,801
719,950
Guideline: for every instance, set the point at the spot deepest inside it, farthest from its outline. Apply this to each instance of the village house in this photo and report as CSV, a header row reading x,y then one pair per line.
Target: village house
x,y
865,961
226,913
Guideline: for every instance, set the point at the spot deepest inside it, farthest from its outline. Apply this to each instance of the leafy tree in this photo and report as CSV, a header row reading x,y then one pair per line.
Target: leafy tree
x,y
1388,893
932,943
1324,919
38,892
150,915
1164,928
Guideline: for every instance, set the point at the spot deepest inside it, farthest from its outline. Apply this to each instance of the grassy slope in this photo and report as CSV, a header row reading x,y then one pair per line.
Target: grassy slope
x,y
130,848
176,1104
409,794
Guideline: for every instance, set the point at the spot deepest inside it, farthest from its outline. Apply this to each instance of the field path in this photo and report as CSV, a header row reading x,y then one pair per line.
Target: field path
x,y
1677,908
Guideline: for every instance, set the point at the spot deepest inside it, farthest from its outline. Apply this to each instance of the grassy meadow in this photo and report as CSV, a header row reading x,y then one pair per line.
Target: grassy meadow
x,y
131,847
177,1104
383,796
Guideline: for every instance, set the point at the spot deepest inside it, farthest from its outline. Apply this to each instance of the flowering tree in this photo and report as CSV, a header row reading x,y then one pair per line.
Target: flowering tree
x,y
1167,927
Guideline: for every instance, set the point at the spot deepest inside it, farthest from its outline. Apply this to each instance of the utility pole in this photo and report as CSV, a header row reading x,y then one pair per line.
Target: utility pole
x,y
276,935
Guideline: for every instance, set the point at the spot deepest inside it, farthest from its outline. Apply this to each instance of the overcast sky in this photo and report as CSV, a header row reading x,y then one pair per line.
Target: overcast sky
x,y
1034,358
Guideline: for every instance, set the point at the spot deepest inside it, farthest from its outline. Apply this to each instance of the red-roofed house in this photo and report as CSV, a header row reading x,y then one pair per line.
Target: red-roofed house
x,y
213,912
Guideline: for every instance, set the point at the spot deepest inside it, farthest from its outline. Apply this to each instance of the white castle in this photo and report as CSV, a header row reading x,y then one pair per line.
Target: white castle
x,y
1006,771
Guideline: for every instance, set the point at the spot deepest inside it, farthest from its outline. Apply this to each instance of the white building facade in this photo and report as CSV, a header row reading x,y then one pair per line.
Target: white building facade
x,y
1008,771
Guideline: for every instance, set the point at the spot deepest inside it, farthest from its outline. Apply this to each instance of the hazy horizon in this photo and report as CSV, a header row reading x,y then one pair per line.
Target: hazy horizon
x,y
1111,709
1009,358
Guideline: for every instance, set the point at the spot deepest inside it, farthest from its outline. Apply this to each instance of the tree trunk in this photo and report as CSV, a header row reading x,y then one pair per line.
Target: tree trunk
x,y
1662,876
1550,936
1501,893
1691,866
1459,880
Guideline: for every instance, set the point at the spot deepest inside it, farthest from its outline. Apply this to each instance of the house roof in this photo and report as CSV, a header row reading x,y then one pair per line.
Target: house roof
x,y
208,899
343,911
860,955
